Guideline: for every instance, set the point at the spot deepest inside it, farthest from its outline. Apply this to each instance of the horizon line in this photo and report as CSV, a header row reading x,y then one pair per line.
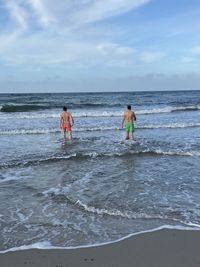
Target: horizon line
x,y
93,92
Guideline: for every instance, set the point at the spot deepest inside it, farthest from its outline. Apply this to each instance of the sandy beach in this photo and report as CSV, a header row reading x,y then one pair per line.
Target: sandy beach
x,y
164,247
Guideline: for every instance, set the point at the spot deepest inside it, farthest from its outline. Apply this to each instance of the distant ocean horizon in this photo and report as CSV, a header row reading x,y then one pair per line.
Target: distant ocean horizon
x,y
100,91
99,188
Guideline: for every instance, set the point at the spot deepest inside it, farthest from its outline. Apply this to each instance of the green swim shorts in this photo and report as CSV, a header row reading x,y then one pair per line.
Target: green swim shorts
x,y
129,127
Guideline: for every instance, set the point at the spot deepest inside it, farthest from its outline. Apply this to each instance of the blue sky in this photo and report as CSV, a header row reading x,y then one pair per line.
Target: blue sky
x,y
99,45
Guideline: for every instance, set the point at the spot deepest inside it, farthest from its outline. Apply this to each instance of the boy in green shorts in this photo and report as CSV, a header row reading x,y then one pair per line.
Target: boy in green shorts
x,y
129,118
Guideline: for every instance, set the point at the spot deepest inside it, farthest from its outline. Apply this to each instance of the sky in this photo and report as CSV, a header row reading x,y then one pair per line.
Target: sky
x,y
99,45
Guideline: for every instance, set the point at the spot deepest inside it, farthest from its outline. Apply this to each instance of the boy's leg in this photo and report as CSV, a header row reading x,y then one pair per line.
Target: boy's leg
x,y
70,135
132,131
127,135
64,135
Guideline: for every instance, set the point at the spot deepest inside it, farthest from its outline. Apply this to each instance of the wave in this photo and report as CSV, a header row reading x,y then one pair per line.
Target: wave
x,y
94,129
187,108
95,105
61,192
51,159
47,245
169,109
169,152
82,114
115,213
22,107
94,154
7,108
124,214
172,125
54,130
28,131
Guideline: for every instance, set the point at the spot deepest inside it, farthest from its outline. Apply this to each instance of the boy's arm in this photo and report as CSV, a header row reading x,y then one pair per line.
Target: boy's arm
x,y
72,119
61,121
123,120
134,116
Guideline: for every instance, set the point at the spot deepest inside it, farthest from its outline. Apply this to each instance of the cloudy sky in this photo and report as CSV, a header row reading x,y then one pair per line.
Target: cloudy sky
x,y
99,45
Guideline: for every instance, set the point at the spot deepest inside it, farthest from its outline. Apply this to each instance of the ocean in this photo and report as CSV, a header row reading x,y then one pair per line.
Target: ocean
x,y
98,188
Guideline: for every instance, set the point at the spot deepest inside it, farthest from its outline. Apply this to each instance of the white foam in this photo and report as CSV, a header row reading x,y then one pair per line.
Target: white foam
x,y
103,128
168,109
38,245
93,129
172,125
28,131
191,107
47,245
95,155
115,213
55,130
100,113
56,191
178,153
56,158
129,214
154,111
167,153
8,178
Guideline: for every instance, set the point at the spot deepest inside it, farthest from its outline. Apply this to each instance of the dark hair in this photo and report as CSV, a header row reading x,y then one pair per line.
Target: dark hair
x,y
129,107
65,108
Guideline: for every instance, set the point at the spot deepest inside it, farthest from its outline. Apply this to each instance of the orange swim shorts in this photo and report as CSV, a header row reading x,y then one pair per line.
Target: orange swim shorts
x,y
67,127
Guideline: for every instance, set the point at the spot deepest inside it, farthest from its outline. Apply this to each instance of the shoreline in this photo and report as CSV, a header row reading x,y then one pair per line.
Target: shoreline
x,y
178,247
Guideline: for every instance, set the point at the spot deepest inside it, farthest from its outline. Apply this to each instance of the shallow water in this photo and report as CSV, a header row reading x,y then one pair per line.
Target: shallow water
x,y
99,188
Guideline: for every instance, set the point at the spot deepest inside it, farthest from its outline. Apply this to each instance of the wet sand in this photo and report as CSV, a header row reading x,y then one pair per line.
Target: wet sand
x,y
160,248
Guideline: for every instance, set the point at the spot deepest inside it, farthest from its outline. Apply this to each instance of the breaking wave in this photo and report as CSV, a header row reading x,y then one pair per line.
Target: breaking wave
x,y
63,193
97,113
94,129
168,109
86,155
28,107
23,107
172,125
123,214
28,131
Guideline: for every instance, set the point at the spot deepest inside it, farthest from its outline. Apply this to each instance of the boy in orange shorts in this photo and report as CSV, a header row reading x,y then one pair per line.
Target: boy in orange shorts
x,y
66,123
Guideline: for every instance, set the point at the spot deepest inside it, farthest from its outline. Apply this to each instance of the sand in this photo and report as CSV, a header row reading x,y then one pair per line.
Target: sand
x,y
160,248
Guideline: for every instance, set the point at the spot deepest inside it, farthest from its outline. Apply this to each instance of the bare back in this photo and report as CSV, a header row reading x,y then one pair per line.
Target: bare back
x,y
129,116
65,117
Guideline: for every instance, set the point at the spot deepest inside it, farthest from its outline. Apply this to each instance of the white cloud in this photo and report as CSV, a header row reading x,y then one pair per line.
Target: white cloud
x,y
196,50
114,49
75,13
40,49
97,10
41,11
193,55
54,45
150,57
64,15
17,13
6,40
73,36
188,60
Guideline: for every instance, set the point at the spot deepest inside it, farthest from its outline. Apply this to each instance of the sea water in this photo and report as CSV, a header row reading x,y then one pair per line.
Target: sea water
x,y
98,188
